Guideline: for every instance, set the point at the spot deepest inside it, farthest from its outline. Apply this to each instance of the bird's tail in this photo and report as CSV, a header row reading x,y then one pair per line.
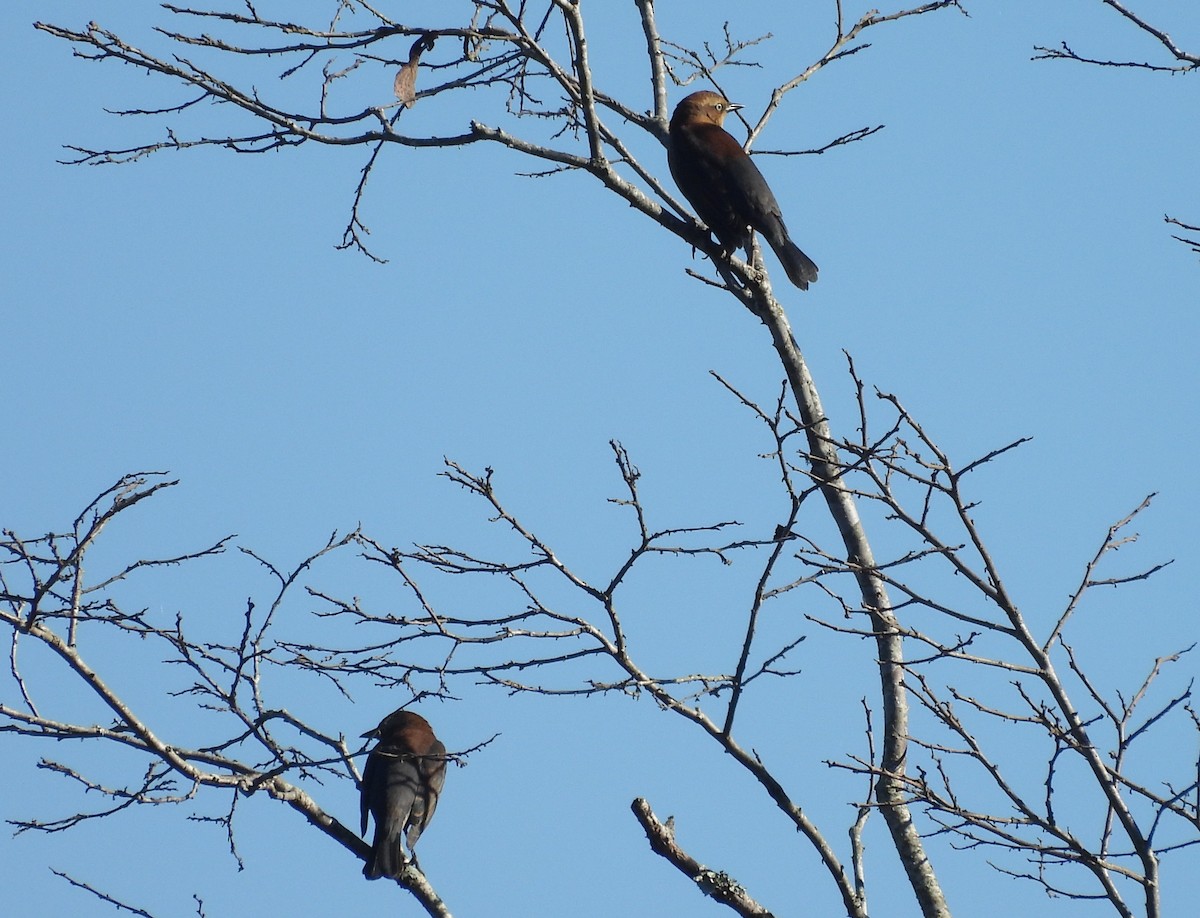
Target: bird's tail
x,y
801,270
387,859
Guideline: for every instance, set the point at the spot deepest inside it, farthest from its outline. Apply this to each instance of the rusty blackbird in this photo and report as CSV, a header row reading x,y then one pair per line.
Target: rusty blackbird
x,y
721,181
400,788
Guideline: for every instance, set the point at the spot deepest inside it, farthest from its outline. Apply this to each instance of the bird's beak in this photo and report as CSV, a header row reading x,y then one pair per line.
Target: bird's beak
x,y
734,106
371,734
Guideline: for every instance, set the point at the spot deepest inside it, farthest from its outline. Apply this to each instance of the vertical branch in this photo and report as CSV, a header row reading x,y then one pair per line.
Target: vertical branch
x,y
825,467
658,71
583,72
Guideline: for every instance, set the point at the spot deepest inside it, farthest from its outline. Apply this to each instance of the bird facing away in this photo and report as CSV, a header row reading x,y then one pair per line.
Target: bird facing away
x,y
400,788
721,181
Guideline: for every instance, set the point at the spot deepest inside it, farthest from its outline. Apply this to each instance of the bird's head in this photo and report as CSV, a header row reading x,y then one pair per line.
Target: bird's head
x,y
401,725
704,106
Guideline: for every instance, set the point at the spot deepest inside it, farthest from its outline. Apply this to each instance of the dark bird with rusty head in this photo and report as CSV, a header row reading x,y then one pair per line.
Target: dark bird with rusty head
x,y
721,181
400,788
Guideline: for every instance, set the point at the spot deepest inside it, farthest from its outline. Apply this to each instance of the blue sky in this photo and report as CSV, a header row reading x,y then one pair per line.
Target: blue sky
x,y
996,257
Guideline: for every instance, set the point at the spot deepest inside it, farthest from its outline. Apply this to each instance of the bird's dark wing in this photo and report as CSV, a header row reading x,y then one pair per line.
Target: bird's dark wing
x,y
752,197
434,769
394,792
705,162
432,777
756,201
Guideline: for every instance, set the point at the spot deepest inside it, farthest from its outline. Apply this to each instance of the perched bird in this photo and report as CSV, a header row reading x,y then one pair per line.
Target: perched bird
x,y
721,181
400,788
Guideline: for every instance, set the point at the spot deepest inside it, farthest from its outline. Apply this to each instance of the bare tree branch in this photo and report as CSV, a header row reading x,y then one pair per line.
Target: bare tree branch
x,y
715,884
1184,61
